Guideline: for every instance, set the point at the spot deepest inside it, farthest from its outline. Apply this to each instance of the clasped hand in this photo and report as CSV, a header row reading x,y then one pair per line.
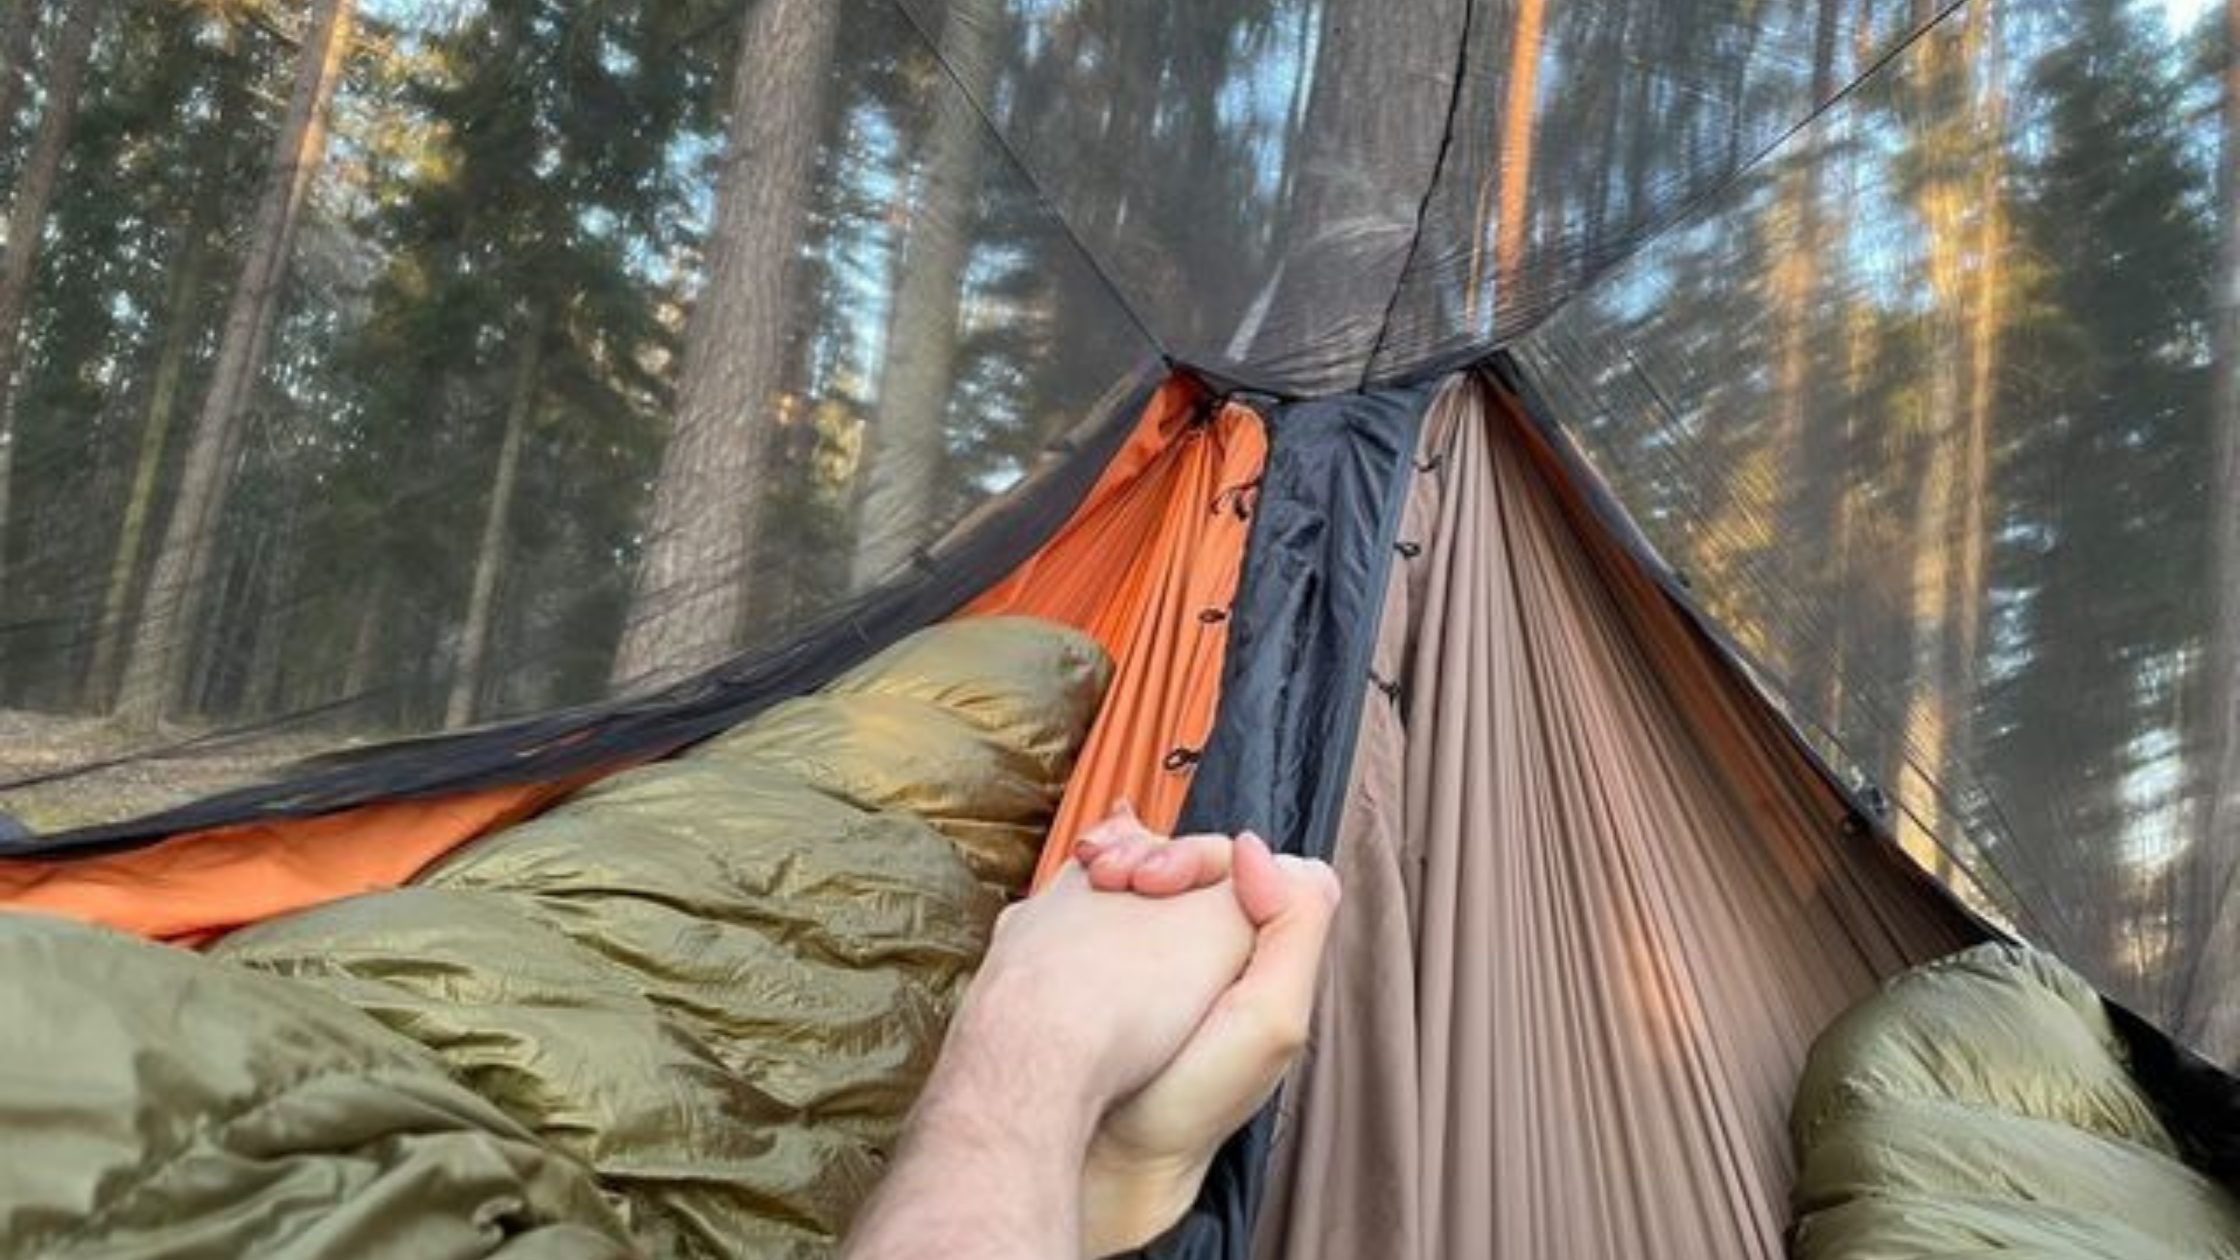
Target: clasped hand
x,y
1124,1022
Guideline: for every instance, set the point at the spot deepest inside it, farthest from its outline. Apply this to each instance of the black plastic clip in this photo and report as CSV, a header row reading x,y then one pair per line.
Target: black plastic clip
x,y
1235,498
1182,759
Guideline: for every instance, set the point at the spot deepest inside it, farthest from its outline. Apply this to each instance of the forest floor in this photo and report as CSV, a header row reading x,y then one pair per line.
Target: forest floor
x,y
170,770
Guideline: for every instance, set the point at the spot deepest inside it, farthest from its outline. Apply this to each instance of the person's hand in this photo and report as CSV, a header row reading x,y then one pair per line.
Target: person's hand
x,y
1150,1153
1113,983
1083,997
1120,854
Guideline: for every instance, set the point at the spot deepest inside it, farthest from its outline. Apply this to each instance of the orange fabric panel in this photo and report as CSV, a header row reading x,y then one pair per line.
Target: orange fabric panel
x,y
1148,566
1136,564
194,887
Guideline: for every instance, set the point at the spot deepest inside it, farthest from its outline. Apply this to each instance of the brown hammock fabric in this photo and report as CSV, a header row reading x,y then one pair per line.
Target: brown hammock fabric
x,y
1598,906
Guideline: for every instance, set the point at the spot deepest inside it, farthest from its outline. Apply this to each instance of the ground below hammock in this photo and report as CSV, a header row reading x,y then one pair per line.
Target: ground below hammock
x,y
178,766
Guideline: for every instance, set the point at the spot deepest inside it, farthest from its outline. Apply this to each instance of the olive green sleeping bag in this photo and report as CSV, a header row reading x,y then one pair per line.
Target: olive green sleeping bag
x,y
1980,1106
684,1011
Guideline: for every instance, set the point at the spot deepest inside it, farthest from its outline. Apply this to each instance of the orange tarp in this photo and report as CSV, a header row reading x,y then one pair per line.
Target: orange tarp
x,y
1148,566
194,887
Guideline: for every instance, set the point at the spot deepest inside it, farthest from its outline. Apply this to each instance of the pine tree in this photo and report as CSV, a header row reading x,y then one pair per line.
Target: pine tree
x,y
690,604
905,449
27,223
155,676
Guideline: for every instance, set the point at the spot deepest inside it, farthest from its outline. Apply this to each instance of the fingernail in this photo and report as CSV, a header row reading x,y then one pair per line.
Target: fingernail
x,y
1160,860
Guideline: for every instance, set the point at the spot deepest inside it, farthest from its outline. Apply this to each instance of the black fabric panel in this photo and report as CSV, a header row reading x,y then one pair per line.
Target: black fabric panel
x,y
1302,632
1305,619
2199,1102
556,746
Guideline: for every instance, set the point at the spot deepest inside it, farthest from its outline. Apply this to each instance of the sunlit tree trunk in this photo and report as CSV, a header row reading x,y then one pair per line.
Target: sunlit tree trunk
x,y
690,605
2213,1007
1765,499
489,555
1505,201
906,442
155,670
27,220
1984,53
1847,516
1937,693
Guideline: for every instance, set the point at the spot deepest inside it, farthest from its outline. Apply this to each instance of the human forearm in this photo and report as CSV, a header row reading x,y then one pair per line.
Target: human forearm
x,y
990,1165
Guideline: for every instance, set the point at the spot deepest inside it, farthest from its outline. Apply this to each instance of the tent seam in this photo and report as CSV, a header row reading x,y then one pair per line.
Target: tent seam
x,y
1430,194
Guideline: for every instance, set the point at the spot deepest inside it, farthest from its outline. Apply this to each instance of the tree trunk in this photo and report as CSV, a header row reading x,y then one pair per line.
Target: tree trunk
x,y
2212,1008
1941,203
474,636
1507,198
16,31
155,669
275,595
1767,498
27,222
906,442
1986,316
689,607
182,329
365,645
155,434
1369,127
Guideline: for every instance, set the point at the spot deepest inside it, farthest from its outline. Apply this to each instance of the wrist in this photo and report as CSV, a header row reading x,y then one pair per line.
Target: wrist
x,y
1129,1198
1015,1044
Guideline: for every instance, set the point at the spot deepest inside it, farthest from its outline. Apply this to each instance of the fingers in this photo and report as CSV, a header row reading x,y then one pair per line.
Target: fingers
x,y
1119,827
1293,903
1155,868
1262,889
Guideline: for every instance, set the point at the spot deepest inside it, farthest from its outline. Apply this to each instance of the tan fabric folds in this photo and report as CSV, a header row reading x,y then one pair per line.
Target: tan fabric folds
x,y
1598,908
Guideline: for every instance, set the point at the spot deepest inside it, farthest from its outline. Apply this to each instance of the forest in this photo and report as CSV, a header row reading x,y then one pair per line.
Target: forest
x,y
372,367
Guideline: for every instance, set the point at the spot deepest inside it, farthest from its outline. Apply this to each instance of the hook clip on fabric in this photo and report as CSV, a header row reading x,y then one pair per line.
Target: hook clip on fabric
x,y
1182,758
1235,498
1212,616
1408,550
1389,686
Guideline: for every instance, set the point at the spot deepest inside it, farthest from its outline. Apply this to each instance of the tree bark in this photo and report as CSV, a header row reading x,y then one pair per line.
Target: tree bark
x,y
155,669
27,221
474,635
906,442
690,604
